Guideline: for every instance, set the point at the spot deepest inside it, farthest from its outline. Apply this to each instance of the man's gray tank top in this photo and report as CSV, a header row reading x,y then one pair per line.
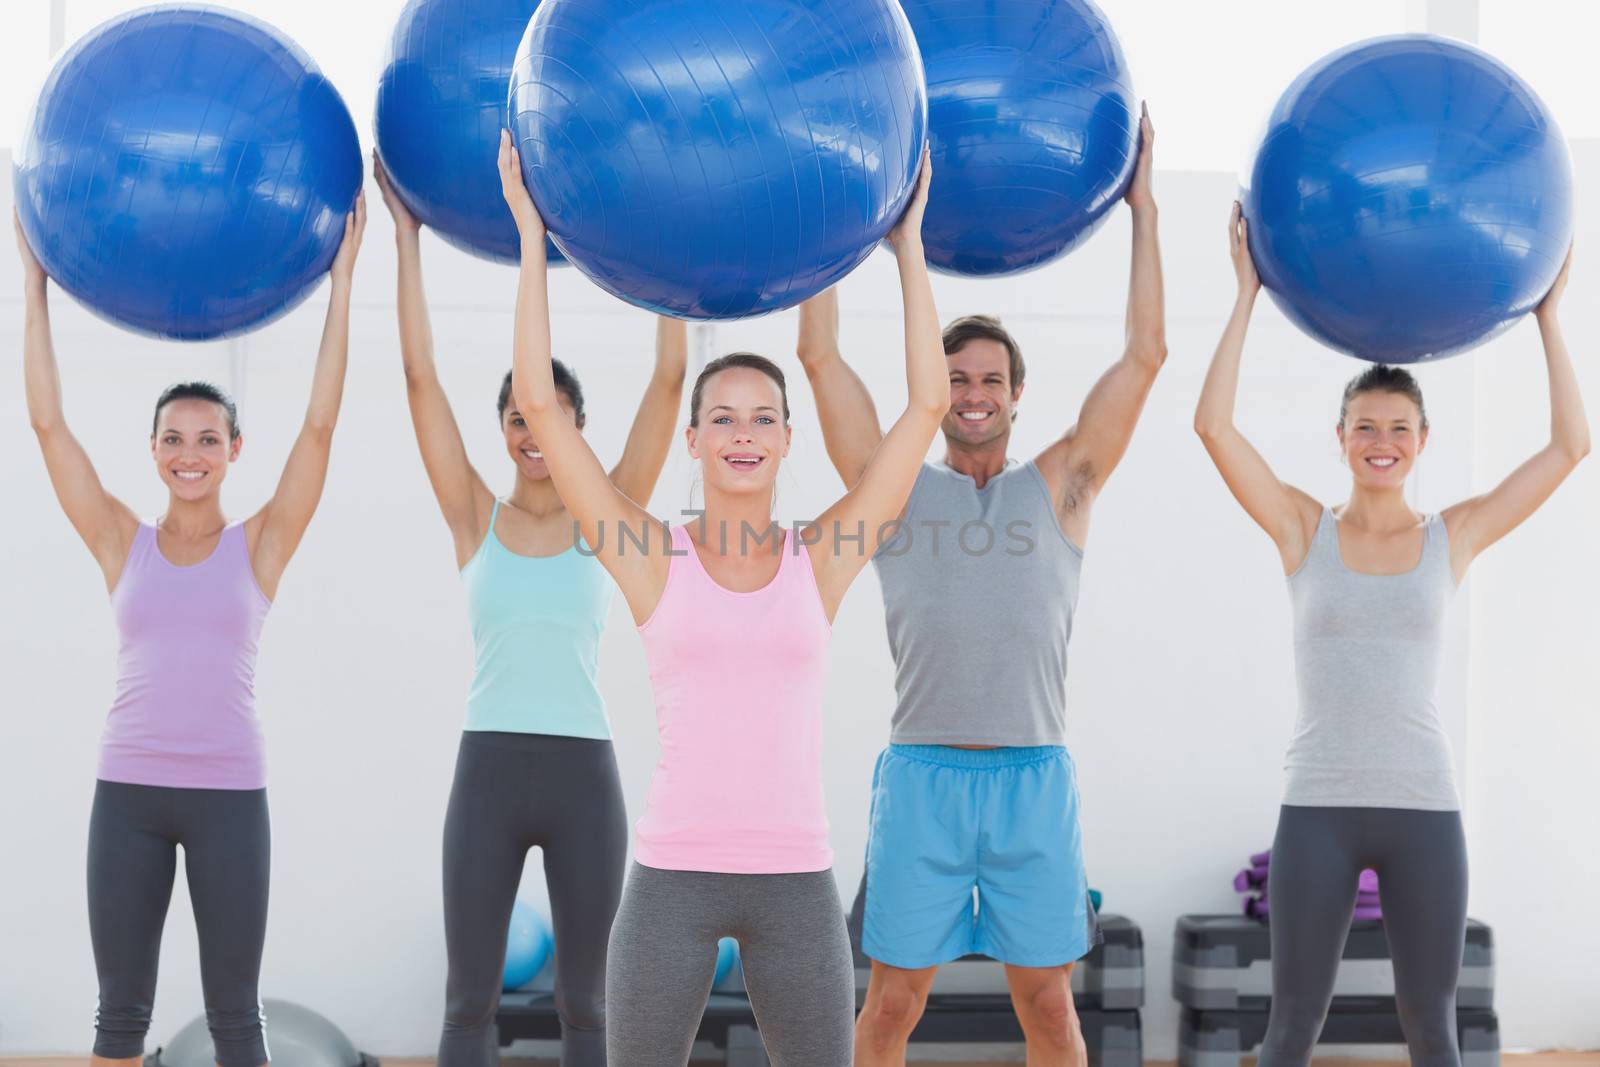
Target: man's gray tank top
x,y
1366,651
979,587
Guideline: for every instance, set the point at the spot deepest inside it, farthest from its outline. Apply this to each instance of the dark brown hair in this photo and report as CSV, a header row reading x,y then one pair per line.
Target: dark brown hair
x,y
971,328
197,391
566,382
748,360
1382,378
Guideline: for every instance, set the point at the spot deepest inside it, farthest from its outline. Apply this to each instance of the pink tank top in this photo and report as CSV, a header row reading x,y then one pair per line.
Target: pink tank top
x,y
185,709
738,688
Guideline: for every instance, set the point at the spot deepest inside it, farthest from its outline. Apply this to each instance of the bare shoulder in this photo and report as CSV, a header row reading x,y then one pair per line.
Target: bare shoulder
x,y
1456,515
253,526
124,524
480,514
1300,530
1460,535
1069,473
112,552
1307,509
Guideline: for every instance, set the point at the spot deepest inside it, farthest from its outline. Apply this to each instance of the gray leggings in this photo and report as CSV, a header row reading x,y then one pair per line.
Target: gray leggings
x,y
795,952
514,792
1421,861
134,834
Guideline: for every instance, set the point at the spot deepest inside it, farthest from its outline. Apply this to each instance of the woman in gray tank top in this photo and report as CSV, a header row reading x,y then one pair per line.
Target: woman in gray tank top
x,y
1370,781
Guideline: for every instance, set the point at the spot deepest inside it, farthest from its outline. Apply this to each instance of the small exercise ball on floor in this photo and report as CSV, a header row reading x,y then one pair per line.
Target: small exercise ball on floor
x,y
1034,126
727,960
1411,198
528,945
721,158
186,172
441,107
296,1037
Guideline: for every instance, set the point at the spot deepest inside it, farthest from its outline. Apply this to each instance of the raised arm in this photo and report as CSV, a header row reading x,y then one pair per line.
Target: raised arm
x,y
601,509
464,499
656,422
850,427
1476,524
274,532
1288,515
849,530
105,523
1078,464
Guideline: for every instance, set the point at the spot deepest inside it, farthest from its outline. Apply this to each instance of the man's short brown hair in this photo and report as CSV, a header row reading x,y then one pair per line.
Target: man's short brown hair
x,y
971,328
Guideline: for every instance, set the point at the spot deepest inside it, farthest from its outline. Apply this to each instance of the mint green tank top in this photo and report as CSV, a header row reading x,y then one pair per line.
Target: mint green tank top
x,y
536,623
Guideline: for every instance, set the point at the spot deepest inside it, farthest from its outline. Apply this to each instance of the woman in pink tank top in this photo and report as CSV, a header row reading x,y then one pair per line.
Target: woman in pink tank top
x,y
735,615
181,759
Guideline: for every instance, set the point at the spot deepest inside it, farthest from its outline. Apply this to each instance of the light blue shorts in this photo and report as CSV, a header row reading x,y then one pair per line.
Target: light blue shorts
x,y
975,851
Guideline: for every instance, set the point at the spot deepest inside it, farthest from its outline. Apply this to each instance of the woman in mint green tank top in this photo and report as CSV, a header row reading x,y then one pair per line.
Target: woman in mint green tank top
x,y
535,766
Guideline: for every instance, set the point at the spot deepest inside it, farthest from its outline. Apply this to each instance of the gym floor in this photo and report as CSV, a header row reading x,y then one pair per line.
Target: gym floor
x,y
1534,1059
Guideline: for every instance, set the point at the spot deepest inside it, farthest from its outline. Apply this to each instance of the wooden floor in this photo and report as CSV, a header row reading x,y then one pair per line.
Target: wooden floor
x,y
1537,1059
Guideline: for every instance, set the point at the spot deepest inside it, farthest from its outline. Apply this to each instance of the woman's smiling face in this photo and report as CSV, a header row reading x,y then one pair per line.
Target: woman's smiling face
x,y
740,436
193,446
1382,435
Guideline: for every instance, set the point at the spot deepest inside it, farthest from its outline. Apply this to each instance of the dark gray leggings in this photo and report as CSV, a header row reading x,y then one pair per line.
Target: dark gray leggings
x,y
794,949
134,834
1317,856
514,792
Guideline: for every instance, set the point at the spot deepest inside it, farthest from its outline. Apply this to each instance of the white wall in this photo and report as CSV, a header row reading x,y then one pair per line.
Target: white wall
x,y
1181,692
1534,712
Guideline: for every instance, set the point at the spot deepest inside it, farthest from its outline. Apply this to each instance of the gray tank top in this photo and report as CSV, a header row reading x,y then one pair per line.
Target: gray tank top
x,y
1366,651
979,587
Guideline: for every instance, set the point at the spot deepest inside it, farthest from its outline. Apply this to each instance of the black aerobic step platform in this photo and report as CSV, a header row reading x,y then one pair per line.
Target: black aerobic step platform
x,y
727,1024
1224,962
1113,1038
1224,1038
1110,977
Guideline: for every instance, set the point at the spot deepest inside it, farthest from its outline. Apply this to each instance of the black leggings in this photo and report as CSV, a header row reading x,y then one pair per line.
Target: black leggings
x,y
1421,861
514,792
134,834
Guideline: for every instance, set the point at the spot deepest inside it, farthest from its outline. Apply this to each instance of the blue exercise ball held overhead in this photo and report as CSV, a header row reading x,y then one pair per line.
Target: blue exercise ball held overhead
x,y
186,172
721,158
1411,198
1034,126
441,106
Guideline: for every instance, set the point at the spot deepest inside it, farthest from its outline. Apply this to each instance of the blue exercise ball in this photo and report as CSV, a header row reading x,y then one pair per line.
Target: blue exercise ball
x,y
441,107
528,945
721,158
1411,197
186,172
727,960
1034,125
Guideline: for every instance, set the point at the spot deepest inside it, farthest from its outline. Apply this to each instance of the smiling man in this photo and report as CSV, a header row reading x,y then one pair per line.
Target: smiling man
x,y
976,796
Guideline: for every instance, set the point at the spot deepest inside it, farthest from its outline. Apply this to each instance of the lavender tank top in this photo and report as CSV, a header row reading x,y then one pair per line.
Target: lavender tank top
x,y
185,711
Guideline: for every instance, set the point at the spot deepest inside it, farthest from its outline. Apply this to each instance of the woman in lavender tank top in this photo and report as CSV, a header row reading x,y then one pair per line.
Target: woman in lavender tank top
x,y
1370,778
181,754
